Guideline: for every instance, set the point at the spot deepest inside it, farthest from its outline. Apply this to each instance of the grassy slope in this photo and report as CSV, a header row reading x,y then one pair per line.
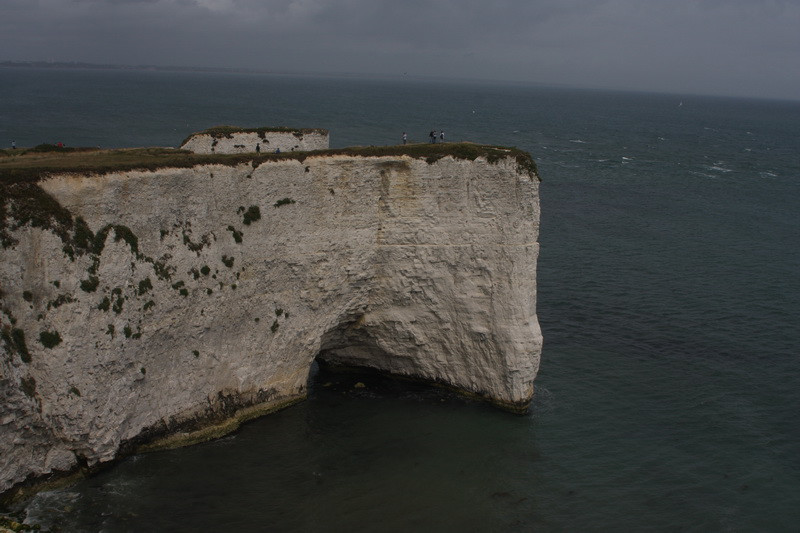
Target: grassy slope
x,y
32,165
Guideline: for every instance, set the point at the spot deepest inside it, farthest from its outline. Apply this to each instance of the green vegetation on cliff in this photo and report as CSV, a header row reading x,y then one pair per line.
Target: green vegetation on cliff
x,y
50,339
14,341
22,201
25,166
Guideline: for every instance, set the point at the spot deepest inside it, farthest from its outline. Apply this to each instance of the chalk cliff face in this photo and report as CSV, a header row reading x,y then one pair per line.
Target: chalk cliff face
x,y
184,297
232,140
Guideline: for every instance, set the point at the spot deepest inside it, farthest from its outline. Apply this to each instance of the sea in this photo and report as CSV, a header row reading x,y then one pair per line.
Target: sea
x,y
668,397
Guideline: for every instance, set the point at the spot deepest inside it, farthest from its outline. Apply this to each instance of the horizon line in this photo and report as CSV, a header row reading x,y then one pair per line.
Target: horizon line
x,y
21,63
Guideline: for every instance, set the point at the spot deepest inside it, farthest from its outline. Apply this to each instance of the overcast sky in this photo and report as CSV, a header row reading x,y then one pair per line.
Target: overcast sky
x,y
729,47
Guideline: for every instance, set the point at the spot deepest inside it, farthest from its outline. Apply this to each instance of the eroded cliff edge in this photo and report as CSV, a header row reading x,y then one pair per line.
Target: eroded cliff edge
x,y
141,303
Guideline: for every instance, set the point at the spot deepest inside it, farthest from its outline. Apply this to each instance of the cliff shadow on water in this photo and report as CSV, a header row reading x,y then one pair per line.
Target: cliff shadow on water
x,y
329,383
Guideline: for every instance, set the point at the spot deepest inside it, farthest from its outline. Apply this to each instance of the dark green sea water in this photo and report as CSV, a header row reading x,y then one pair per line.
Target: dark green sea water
x,y
669,295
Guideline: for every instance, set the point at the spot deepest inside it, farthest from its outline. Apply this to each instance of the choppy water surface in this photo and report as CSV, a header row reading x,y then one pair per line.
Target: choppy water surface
x,y
668,298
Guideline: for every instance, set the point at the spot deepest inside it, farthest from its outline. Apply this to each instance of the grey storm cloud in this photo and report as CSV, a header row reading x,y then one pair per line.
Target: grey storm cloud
x,y
749,47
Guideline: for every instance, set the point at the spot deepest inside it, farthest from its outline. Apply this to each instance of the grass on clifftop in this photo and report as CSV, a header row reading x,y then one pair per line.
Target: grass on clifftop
x,y
32,165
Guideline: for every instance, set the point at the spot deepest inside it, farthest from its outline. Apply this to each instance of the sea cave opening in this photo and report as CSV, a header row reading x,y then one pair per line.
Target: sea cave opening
x,y
351,364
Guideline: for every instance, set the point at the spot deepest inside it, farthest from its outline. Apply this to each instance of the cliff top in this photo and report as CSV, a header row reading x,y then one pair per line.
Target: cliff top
x,y
228,131
34,164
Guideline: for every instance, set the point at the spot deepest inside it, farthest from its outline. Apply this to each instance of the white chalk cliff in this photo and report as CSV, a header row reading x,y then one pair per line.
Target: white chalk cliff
x,y
160,303
235,140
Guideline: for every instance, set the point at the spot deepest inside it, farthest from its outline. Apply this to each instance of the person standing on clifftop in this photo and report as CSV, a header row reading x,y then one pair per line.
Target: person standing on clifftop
x,y
405,137
441,136
432,135
258,148
13,145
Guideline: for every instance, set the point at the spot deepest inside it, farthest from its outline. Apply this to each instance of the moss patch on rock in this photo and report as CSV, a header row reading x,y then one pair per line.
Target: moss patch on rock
x,y
283,201
50,339
252,214
14,342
